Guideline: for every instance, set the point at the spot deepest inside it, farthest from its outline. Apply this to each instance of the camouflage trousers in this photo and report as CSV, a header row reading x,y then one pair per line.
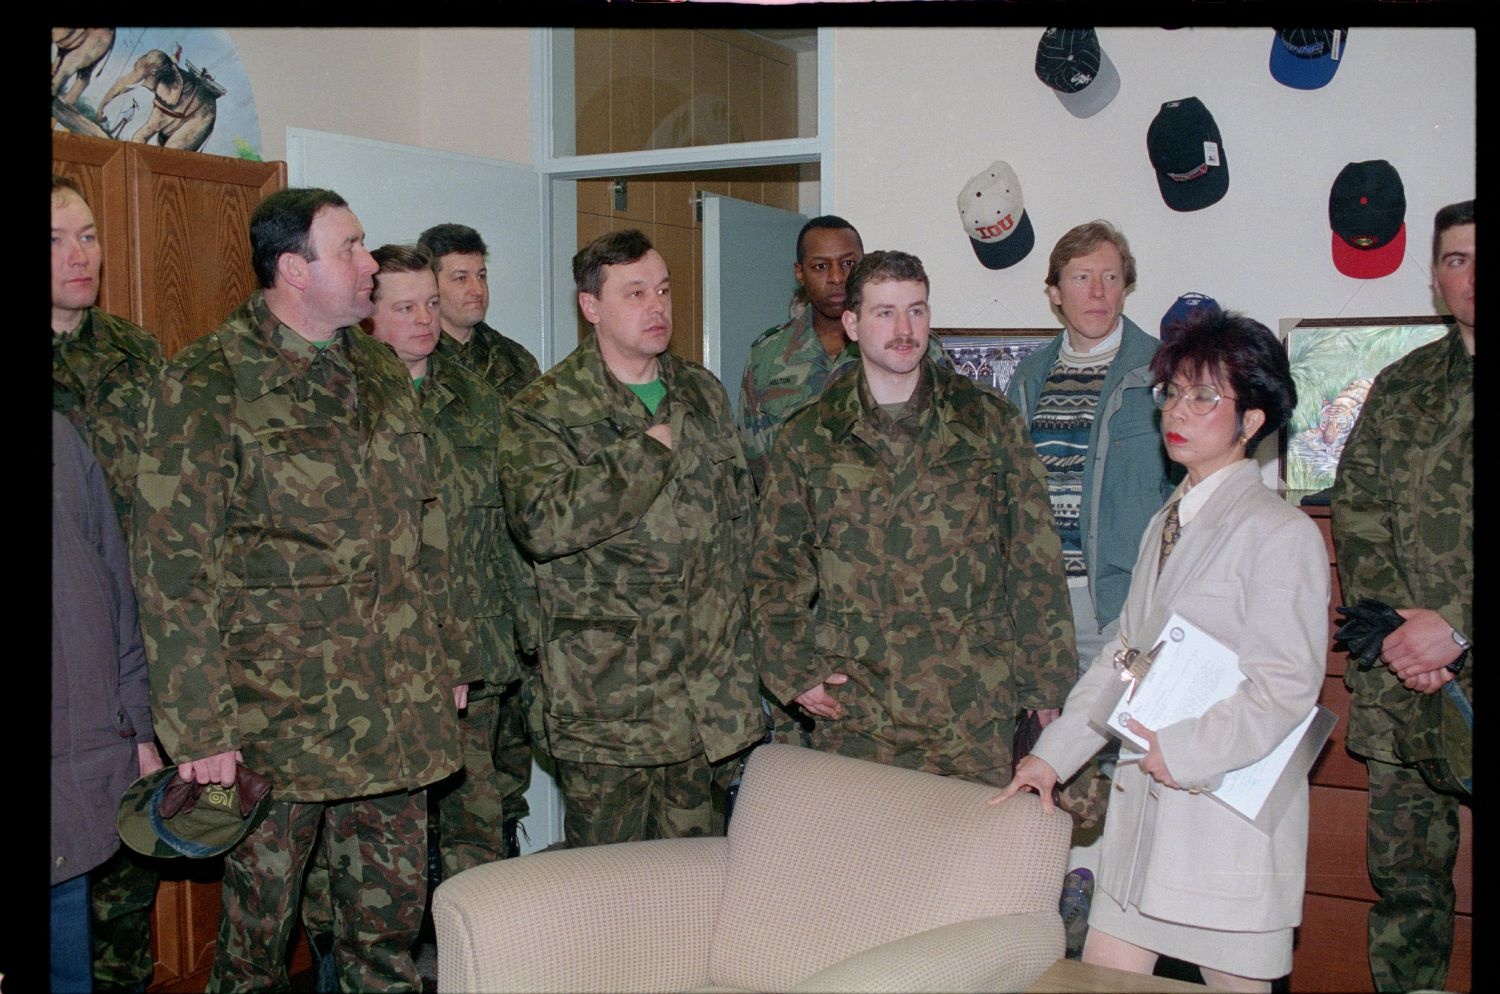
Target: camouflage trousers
x,y
604,804
512,761
469,806
376,852
1412,846
864,736
121,893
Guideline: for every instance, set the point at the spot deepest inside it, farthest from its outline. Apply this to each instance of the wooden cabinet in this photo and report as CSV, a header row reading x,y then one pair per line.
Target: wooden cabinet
x,y
175,232
1331,952
175,229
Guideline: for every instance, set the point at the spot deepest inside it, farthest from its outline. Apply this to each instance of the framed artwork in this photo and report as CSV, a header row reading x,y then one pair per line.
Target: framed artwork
x,y
1334,362
990,355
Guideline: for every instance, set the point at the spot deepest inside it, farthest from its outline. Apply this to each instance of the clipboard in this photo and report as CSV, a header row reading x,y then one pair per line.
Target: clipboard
x,y
1186,673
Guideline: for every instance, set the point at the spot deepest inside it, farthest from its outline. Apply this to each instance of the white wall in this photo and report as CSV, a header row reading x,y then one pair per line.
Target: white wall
x,y
921,111
464,90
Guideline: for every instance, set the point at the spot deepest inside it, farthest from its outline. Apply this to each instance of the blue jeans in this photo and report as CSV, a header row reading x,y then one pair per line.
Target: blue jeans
x,y
72,970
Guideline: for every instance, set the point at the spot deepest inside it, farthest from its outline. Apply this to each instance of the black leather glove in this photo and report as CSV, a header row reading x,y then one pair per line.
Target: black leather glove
x,y
1362,635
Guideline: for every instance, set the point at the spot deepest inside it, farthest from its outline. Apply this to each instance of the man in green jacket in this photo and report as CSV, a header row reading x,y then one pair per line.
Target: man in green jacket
x,y
104,371
626,486
906,586
459,260
291,557
1403,521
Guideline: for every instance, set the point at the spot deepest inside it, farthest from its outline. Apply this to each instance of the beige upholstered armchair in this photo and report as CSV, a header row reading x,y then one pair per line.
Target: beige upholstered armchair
x,y
836,875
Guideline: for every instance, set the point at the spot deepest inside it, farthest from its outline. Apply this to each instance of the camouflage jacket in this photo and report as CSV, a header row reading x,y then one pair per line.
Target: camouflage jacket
x,y
492,583
640,555
787,368
933,577
501,362
103,375
1403,520
290,560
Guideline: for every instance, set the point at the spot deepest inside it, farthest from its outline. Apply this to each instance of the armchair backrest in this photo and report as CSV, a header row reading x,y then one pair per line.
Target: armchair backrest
x,y
830,856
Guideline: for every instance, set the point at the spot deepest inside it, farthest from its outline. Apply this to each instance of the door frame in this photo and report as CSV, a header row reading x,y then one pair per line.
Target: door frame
x,y
559,193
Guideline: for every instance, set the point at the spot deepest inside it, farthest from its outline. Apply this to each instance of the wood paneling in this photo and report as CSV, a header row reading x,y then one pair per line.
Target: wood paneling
x,y
743,96
710,90
98,167
193,246
672,88
591,90
778,90
630,116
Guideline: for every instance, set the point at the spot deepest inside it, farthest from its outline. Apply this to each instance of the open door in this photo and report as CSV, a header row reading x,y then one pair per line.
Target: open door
x,y
748,251
398,191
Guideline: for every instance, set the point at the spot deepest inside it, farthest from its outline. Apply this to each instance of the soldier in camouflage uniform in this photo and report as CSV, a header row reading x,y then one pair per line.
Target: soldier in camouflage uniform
x,y
291,561
492,584
906,587
789,364
458,254
104,370
626,485
1403,521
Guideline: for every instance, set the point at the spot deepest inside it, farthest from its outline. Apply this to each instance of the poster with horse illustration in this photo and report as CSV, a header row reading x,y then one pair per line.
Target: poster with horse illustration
x,y
174,87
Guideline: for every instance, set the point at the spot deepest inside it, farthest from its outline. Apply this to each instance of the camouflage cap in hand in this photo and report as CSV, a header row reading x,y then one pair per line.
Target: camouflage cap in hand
x,y
161,815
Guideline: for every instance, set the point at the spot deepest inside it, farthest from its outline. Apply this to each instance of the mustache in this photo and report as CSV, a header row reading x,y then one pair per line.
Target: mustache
x,y
901,343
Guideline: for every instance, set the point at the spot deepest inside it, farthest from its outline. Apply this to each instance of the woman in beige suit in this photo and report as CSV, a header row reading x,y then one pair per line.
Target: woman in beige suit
x,y
1179,873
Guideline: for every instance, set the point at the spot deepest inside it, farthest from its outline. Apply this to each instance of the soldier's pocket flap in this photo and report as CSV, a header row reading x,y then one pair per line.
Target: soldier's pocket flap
x,y
300,438
842,476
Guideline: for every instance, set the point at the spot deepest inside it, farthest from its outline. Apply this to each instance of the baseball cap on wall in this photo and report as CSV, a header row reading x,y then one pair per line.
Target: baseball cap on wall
x,y
1367,212
994,217
1307,58
1070,61
1187,153
1183,308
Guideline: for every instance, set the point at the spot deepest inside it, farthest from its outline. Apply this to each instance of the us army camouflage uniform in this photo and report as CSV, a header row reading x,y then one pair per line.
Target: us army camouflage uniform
x,y
291,562
920,559
640,555
787,368
506,366
1403,520
492,587
103,375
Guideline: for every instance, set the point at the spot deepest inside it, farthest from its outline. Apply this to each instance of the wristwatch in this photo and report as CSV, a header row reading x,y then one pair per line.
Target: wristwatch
x,y
1465,645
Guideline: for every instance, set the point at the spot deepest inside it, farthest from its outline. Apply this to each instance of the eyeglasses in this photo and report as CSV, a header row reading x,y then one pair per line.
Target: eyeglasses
x,y
1200,399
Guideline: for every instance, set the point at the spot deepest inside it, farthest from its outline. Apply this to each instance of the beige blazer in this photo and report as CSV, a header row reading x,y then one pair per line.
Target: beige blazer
x,y
1251,570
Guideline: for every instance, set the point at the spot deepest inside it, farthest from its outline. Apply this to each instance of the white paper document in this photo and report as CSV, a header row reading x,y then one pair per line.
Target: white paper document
x,y
1191,672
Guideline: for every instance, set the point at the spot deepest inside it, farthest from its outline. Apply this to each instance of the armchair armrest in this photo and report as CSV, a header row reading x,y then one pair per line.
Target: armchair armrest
x,y
637,916
1000,953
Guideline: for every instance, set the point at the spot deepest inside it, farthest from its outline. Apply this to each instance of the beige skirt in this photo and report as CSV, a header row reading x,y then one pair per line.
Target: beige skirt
x,y
1258,955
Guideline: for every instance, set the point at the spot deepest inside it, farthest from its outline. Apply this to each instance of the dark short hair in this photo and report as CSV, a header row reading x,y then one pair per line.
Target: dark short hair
x,y
283,223
400,259
445,239
616,248
1085,239
886,266
1239,352
60,182
1450,217
824,222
